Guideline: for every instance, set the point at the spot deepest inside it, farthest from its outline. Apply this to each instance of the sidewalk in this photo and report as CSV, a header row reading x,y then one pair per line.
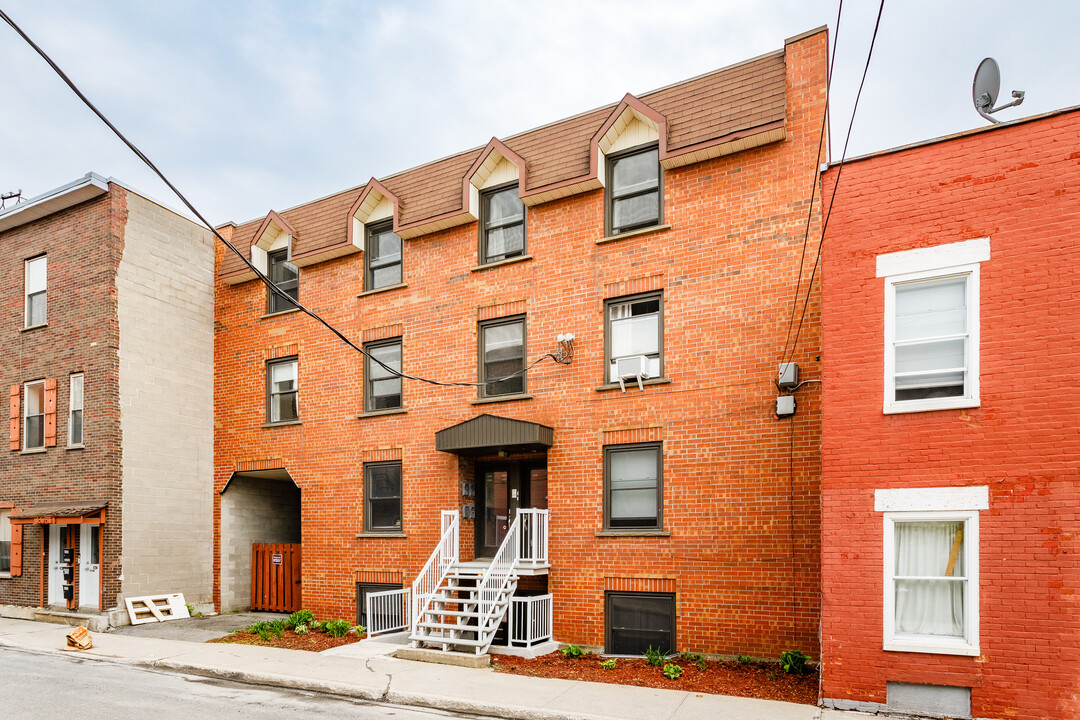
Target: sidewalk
x,y
365,670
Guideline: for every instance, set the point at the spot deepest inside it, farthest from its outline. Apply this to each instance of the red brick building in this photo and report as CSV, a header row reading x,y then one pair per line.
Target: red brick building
x,y
663,232
107,360
950,555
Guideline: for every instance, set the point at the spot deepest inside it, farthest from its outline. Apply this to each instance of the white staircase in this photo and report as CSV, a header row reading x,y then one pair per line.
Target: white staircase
x,y
461,611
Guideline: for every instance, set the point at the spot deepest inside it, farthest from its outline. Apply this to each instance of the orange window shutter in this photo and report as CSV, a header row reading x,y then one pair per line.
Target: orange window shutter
x,y
50,412
16,550
14,395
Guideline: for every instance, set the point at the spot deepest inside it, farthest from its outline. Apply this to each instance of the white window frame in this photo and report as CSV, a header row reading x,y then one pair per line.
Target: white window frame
x,y
950,504
26,415
72,409
28,291
961,259
5,525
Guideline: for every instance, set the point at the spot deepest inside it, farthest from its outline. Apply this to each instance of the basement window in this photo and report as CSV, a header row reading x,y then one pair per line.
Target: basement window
x,y
634,622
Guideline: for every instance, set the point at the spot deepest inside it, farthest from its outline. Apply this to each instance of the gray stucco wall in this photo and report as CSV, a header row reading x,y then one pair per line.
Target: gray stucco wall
x,y
253,510
165,296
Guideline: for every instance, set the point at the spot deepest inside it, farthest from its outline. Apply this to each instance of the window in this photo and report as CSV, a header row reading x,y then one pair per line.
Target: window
x,y
502,233
382,388
382,497
5,541
633,487
281,391
932,326
931,541
382,263
502,353
34,415
635,328
634,622
634,190
286,277
75,411
387,617
35,291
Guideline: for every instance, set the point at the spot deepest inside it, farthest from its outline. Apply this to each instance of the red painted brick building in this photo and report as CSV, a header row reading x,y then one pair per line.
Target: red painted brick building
x,y
950,448
664,233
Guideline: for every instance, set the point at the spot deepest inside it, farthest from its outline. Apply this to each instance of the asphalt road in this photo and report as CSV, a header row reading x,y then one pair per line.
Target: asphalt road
x,y
40,685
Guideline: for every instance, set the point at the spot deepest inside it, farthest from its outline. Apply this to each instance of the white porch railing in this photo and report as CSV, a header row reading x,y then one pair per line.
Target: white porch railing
x,y
530,620
387,611
533,550
432,576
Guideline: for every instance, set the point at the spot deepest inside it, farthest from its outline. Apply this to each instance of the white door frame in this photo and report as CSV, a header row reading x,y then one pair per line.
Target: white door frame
x,y
56,568
89,571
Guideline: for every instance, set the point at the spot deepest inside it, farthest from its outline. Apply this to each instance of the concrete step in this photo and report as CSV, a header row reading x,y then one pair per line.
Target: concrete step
x,y
447,640
445,657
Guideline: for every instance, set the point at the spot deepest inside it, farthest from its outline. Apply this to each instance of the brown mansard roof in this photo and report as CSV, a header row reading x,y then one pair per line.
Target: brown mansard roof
x,y
727,104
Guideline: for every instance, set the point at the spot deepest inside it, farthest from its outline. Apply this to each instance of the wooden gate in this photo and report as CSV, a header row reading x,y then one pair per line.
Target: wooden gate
x,y
275,577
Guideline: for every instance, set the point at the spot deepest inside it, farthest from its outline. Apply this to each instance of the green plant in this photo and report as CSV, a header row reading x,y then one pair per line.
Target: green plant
x,y
300,629
300,617
277,627
263,632
337,628
743,659
608,664
572,651
654,656
672,671
772,676
793,661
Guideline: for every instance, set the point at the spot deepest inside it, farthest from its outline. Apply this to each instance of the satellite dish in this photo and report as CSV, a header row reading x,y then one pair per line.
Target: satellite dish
x,y
985,88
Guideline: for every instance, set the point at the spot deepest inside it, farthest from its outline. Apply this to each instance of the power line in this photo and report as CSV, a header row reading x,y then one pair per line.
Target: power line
x,y
814,179
563,355
836,184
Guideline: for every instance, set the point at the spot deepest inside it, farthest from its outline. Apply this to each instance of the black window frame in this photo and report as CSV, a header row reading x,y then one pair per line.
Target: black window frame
x,y
610,450
611,629
482,374
369,528
640,297
486,227
611,193
369,396
290,286
270,390
363,589
379,228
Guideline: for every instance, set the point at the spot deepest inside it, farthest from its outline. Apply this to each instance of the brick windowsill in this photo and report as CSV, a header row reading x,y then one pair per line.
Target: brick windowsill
x,y
369,534
388,288
634,233
500,263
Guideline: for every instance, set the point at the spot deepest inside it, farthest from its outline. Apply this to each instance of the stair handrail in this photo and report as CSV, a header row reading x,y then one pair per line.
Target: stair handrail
x,y
497,576
534,537
434,573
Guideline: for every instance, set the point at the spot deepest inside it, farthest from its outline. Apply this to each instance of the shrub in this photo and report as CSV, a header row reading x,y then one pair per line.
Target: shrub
x,y
743,659
572,651
608,664
793,661
300,617
337,628
277,627
654,656
672,671
300,629
262,632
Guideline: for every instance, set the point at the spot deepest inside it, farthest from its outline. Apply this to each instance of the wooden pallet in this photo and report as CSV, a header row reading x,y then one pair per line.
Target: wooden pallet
x,y
156,608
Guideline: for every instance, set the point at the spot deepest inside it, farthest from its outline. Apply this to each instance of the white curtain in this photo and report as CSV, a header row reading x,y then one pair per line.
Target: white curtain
x,y
926,603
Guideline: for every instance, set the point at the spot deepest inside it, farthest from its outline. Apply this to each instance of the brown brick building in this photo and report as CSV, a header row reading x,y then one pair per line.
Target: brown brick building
x,y
107,359
663,232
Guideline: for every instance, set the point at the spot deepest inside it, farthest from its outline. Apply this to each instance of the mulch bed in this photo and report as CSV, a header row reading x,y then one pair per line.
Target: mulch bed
x,y
756,680
314,641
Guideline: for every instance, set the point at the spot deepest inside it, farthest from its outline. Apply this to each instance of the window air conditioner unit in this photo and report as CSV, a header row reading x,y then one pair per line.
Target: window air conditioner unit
x,y
634,367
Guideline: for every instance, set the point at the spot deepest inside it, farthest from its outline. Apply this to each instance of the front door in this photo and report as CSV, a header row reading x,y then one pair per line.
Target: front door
x,y
56,564
89,566
502,488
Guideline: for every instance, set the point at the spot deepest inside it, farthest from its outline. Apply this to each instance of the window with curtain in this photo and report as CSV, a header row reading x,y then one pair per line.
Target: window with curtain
x,y
502,353
36,285
503,225
382,257
634,327
34,415
281,389
633,190
382,388
75,410
929,578
633,487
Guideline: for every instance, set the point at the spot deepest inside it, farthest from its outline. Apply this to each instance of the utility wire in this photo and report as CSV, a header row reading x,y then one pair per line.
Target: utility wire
x,y
814,181
836,184
564,355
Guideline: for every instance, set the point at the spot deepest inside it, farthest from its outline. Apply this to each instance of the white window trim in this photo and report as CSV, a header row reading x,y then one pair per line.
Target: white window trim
x,y
5,517
27,292
970,398
26,414
969,644
72,409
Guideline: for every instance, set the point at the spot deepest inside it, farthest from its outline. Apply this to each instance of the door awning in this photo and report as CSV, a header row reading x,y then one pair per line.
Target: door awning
x,y
488,433
69,513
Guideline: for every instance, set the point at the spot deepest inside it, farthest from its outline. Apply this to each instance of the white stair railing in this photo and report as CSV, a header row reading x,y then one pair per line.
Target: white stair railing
x,y
492,587
534,537
387,611
432,576
530,620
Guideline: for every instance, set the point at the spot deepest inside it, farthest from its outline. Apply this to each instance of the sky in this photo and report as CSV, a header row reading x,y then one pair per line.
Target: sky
x,y
264,105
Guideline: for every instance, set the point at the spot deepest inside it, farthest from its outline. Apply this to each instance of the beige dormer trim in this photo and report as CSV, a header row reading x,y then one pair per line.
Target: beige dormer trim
x,y
496,165
376,203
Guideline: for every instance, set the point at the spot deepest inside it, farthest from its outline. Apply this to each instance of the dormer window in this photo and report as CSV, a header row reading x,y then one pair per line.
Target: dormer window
x,y
502,224
286,277
382,253
634,190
